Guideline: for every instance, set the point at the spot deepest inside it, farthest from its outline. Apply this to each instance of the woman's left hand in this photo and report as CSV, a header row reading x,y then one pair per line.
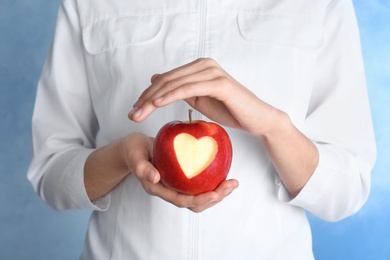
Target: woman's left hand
x,y
205,86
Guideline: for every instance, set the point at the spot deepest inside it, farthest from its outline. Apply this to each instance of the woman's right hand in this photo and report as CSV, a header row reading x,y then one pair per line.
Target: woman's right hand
x,y
107,166
139,150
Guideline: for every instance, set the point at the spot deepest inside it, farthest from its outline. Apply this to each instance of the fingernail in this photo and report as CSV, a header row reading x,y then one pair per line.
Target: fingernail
x,y
135,112
227,191
150,175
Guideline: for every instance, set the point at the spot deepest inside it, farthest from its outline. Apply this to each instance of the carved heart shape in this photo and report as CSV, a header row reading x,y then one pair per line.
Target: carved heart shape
x,y
194,155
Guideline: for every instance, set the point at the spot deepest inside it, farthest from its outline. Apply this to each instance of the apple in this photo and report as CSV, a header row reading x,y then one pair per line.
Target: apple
x,y
192,157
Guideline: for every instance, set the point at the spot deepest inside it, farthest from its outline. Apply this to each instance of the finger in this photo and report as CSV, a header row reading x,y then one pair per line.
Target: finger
x,y
145,170
165,77
167,94
206,75
154,78
195,203
182,200
165,82
168,78
144,105
206,87
213,198
222,191
227,187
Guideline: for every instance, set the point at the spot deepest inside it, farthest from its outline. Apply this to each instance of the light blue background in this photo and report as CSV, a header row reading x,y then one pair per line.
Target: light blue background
x,y
31,230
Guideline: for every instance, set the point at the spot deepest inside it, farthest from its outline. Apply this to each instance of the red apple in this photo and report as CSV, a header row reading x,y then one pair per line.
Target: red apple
x,y
192,157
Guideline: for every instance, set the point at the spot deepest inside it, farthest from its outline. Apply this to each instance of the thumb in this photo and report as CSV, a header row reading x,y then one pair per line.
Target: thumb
x,y
152,175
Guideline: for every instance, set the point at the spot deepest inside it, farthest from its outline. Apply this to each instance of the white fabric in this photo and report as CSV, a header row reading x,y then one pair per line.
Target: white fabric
x,y
300,56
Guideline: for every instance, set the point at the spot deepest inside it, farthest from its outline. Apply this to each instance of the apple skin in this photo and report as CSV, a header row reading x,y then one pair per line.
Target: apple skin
x,y
166,162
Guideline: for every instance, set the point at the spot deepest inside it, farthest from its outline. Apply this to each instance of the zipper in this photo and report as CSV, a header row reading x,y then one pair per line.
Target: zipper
x,y
202,39
194,217
194,236
202,27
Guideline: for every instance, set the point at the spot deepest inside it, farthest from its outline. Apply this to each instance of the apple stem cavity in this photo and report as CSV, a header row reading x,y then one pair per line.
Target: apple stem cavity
x,y
190,115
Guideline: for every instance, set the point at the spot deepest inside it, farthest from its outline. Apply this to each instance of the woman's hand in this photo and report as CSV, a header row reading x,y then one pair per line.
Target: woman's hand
x,y
205,86
139,156
106,167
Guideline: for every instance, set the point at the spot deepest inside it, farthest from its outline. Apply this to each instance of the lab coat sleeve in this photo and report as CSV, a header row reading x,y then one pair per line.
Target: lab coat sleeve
x,y
339,123
64,124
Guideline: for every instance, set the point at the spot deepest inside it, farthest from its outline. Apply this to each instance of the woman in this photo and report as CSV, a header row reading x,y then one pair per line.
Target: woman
x,y
286,80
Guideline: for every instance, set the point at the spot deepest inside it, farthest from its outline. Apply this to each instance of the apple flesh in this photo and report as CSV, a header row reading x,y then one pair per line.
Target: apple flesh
x,y
192,157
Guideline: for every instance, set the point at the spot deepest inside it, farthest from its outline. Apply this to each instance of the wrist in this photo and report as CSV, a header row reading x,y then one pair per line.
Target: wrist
x,y
278,123
104,169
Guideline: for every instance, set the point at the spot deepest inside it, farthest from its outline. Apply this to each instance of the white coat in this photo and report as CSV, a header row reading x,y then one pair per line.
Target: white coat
x,y
301,56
